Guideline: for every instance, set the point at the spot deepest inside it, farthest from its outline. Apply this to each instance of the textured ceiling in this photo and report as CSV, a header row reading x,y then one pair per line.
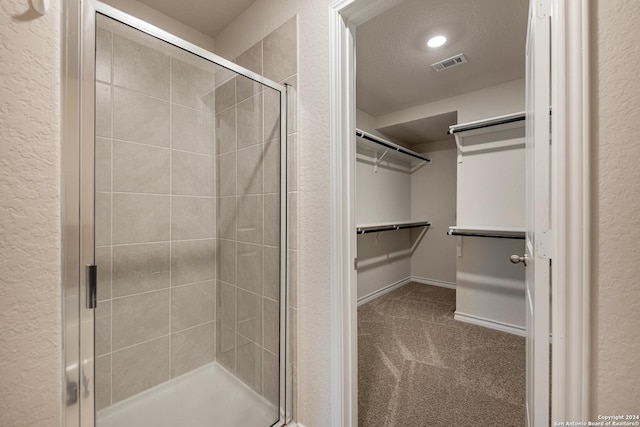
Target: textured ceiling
x,y
394,64
209,16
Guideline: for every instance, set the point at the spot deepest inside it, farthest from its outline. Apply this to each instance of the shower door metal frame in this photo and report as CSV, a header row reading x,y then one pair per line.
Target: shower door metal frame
x,y
78,183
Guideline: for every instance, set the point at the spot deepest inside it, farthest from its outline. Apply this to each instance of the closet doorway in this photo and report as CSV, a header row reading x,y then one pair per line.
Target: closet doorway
x,y
472,142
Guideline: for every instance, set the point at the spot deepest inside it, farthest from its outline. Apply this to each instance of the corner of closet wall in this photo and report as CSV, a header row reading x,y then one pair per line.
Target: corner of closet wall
x,y
383,195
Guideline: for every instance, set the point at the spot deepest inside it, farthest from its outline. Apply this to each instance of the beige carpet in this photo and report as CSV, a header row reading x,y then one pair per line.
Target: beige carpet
x,y
418,367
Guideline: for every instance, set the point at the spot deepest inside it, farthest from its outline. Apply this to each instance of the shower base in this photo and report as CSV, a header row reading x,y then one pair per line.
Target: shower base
x,y
206,397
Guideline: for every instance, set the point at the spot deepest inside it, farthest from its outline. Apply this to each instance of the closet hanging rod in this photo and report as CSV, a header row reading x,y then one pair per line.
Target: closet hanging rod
x,y
389,144
391,227
495,121
485,234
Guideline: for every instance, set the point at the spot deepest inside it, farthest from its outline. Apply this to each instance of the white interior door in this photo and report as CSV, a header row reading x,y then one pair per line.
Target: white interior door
x,y
538,84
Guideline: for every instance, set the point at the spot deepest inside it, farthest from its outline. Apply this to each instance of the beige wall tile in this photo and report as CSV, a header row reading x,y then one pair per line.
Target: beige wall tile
x,y
292,104
293,335
250,219
103,164
140,318
251,59
140,168
249,316
103,219
226,300
271,375
140,218
250,267
225,95
272,272
250,170
271,115
227,261
292,162
292,268
138,368
140,68
192,130
280,52
226,131
249,363
140,268
140,118
193,261
292,221
226,217
103,382
192,218
103,110
250,121
271,324
272,220
103,328
104,55
191,86
103,261
192,305
192,348
272,166
226,347
192,174
226,174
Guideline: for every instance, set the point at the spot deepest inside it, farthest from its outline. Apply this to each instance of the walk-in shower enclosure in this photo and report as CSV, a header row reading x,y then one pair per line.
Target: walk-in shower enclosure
x,y
175,284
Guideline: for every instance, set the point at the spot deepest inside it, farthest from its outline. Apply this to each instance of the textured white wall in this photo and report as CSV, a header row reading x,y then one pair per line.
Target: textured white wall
x,y
616,126
30,291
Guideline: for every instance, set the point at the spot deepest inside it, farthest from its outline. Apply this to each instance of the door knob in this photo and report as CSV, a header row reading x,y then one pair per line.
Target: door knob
x,y
518,259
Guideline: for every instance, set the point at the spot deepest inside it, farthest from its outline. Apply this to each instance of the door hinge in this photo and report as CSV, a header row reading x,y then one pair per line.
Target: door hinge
x,y
543,8
355,263
544,244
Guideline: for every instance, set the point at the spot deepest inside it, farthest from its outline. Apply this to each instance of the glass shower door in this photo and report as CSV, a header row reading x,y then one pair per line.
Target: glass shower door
x,y
188,237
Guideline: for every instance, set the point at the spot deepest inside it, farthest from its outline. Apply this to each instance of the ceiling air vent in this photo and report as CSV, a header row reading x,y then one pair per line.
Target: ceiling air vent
x,y
449,62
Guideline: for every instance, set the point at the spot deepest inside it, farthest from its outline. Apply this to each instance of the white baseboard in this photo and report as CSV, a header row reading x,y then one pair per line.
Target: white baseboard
x,y
396,285
385,290
294,424
488,323
433,282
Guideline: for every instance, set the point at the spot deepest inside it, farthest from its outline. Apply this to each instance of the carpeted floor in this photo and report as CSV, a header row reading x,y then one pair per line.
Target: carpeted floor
x,y
418,367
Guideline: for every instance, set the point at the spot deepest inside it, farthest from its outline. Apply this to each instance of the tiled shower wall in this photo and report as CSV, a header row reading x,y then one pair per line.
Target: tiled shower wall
x,y
248,137
155,215
186,153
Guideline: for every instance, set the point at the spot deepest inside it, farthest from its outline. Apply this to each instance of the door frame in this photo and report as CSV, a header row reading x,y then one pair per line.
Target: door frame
x,y
78,190
570,211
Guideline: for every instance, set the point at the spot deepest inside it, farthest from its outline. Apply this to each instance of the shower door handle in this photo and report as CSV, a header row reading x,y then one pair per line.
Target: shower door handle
x,y
92,286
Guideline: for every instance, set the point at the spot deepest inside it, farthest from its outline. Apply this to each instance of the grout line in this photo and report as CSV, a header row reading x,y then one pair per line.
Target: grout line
x,y
162,147
127,193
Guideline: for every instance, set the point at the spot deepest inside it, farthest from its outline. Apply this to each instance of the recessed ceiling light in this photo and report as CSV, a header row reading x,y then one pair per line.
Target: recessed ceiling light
x,y
436,41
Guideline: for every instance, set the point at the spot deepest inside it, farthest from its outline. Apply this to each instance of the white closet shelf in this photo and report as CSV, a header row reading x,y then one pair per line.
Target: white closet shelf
x,y
390,226
493,124
390,149
488,231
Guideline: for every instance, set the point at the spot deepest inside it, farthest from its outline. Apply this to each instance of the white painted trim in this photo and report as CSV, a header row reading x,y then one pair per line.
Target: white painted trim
x,y
433,282
380,292
571,202
294,424
488,323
